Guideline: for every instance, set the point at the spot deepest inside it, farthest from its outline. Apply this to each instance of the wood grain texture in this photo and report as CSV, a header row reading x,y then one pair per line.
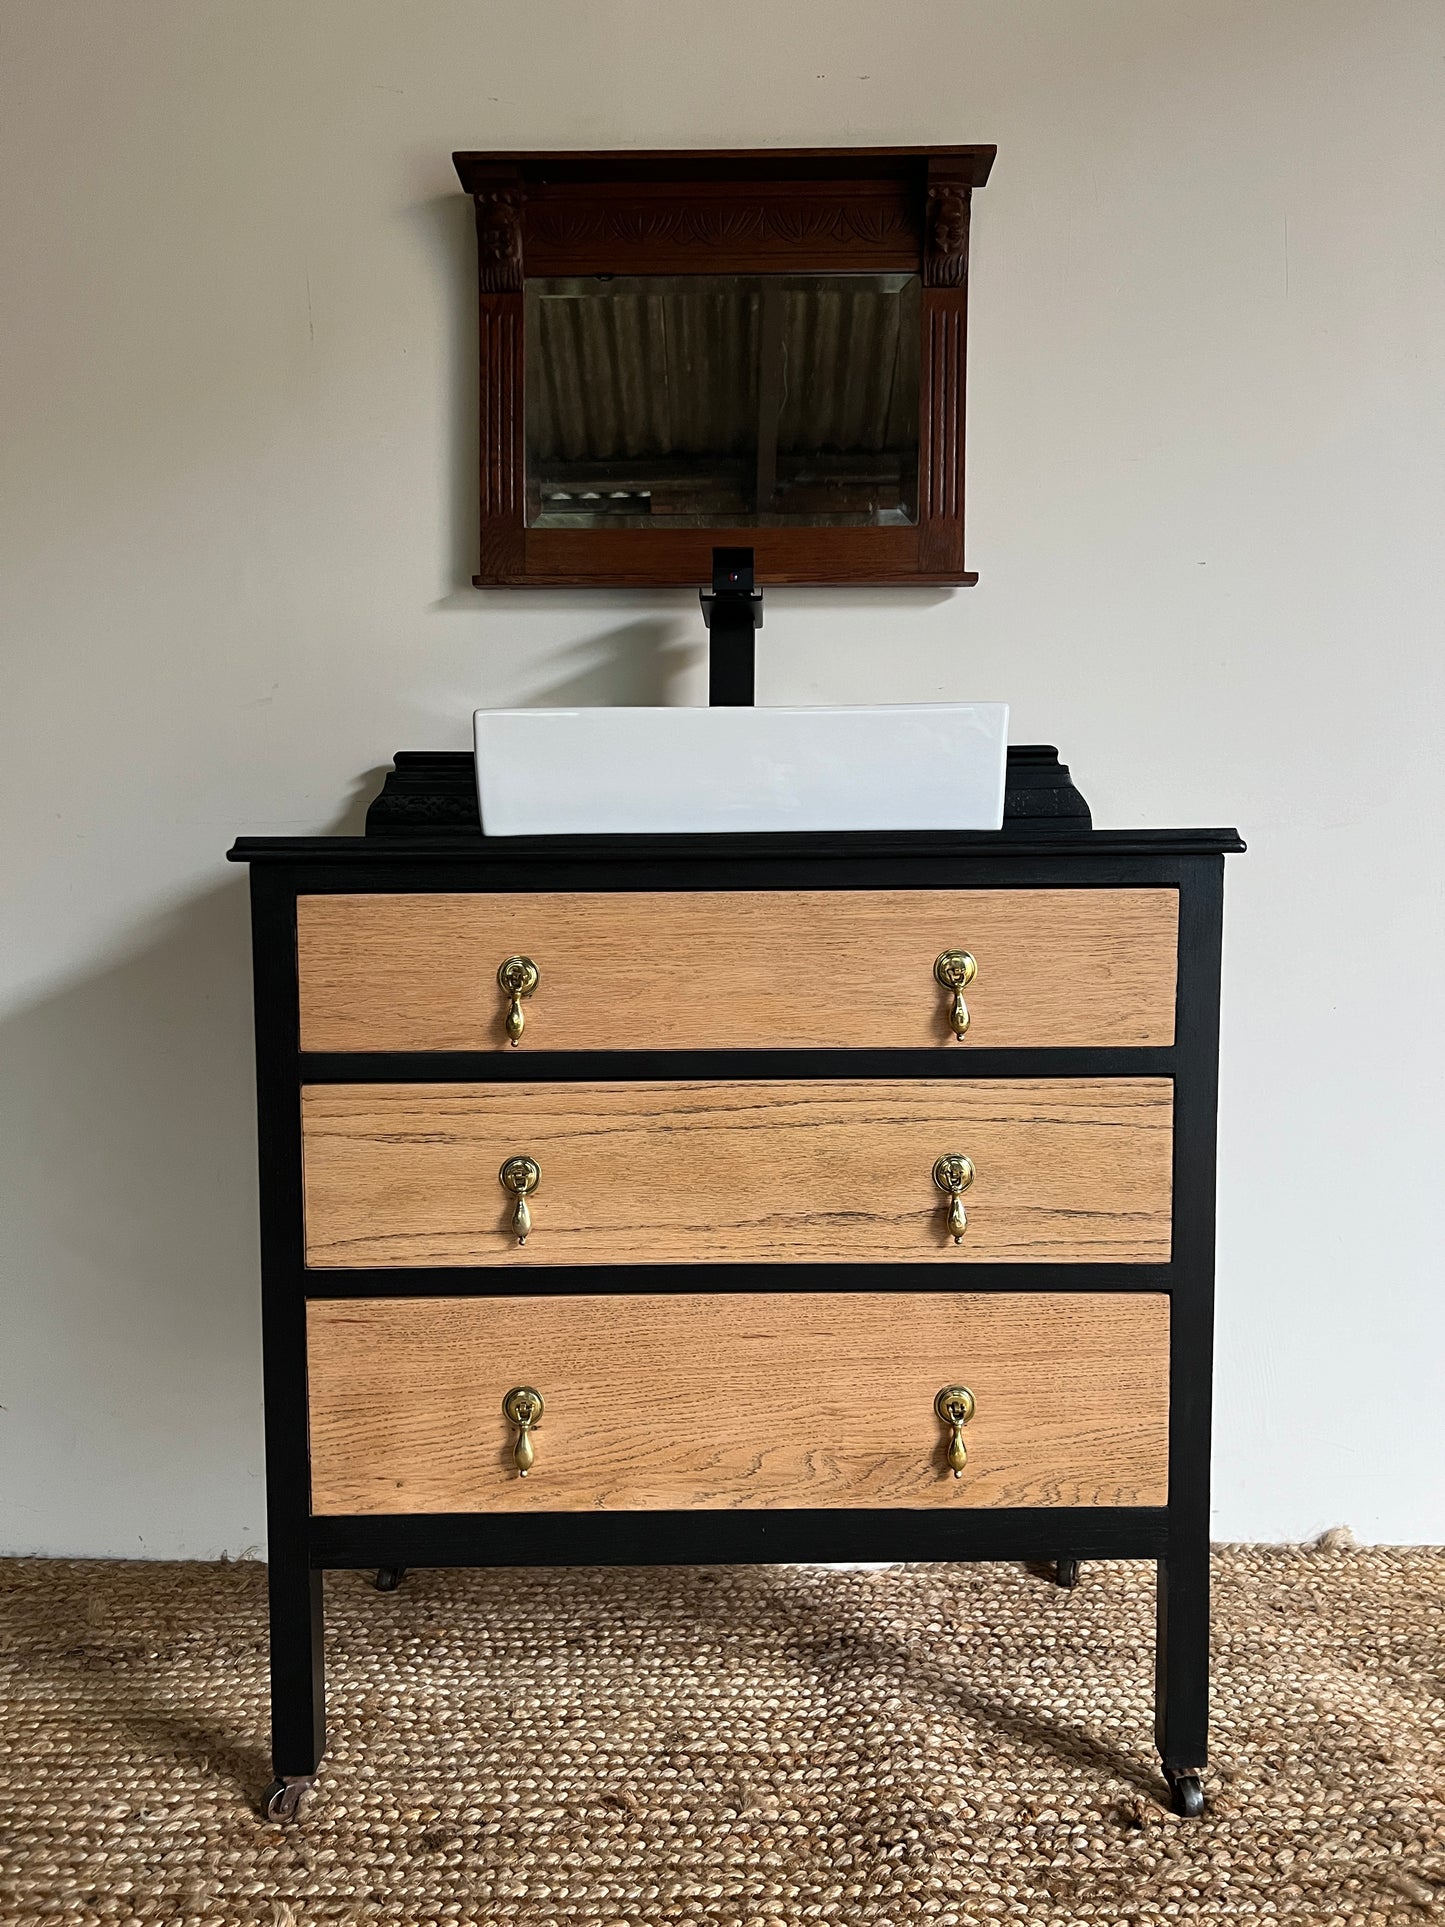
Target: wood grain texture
x,y
720,1400
824,226
1069,1170
724,969
641,558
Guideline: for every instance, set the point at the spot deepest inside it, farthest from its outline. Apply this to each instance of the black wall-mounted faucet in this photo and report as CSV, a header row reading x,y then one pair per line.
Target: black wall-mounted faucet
x,y
732,613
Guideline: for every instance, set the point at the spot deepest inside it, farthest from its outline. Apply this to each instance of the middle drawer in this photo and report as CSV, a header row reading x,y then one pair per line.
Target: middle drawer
x,y
1064,1170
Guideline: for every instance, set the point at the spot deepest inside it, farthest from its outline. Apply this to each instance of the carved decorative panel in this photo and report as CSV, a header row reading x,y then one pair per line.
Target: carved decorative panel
x,y
499,241
945,261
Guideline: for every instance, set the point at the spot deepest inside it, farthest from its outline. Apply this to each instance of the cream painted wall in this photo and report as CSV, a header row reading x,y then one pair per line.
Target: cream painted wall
x,y
1207,448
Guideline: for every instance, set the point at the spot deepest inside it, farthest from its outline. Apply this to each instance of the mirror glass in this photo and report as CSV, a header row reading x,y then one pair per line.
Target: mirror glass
x,y
728,401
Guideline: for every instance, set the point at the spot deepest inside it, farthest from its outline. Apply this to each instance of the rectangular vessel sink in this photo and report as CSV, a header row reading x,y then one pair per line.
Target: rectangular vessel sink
x,y
560,772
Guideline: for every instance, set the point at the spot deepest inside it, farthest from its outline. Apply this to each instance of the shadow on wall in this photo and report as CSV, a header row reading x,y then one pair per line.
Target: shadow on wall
x,y
128,1166
635,665
131,1308
447,227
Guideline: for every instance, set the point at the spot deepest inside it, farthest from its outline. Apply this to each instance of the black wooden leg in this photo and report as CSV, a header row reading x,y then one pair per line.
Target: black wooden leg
x,y
1181,1688
298,1681
298,1687
1181,1674
1066,1572
388,1578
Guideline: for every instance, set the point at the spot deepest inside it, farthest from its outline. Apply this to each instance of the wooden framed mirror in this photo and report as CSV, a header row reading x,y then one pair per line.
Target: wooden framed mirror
x,y
686,351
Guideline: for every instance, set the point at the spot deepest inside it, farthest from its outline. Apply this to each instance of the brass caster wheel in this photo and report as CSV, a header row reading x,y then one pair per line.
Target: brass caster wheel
x,y
1066,1573
281,1801
388,1578
1187,1793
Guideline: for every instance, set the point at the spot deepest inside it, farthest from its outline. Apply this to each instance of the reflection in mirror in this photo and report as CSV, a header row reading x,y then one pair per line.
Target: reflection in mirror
x,y
727,401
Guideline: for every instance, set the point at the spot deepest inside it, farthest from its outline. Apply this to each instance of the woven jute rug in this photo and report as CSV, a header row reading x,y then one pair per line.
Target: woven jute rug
x,y
708,1748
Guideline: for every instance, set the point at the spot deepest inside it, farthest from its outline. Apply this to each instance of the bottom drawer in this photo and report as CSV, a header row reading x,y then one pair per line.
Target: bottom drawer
x,y
714,1400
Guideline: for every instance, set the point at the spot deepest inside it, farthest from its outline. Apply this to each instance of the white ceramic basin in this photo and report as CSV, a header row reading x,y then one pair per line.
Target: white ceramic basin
x,y
922,766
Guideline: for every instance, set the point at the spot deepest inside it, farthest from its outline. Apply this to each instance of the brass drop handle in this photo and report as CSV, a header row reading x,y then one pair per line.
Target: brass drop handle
x,y
955,1406
520,1176
954,1174
523,1408
518,976
955,970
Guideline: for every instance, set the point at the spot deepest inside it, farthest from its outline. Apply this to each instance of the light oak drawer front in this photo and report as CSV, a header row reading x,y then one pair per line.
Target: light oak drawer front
x,y
721,1400
1065,1169
738,969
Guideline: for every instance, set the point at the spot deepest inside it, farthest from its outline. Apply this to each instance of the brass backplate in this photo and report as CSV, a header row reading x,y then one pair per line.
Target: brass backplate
x,y
524,1405
953,1173
954,1405
955,969
520,1175
517,976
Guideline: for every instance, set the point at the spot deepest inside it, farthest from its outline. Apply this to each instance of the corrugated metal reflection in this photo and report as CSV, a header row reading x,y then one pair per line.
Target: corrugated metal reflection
x,y
721,385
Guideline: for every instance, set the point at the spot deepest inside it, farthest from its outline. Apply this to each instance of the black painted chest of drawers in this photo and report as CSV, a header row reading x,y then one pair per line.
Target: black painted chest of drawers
x,y
564,1140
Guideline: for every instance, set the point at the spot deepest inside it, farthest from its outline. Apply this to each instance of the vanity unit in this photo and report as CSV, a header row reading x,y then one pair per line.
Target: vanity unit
x,y
717,1198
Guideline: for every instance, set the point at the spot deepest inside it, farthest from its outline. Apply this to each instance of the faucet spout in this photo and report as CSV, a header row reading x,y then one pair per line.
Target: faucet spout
x,y
733,613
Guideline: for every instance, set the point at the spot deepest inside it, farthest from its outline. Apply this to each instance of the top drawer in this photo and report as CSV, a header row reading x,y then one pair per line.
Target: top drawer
x,y
737,970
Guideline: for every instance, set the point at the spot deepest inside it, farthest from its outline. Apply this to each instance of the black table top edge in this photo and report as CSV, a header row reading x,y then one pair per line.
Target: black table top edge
x,y
457,846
